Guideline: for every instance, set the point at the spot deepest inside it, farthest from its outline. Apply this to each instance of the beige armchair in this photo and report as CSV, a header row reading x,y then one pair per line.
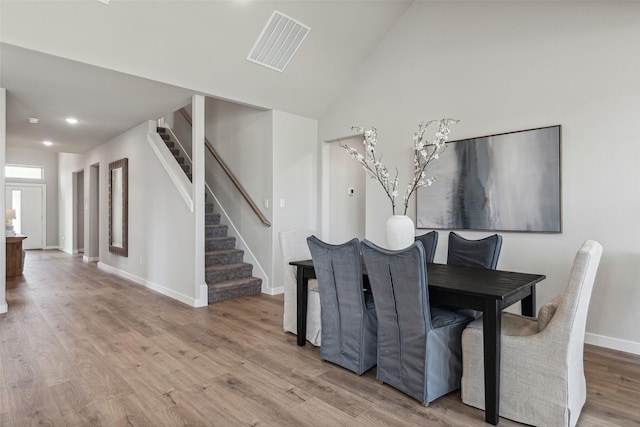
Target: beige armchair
x,y
542,375
293,247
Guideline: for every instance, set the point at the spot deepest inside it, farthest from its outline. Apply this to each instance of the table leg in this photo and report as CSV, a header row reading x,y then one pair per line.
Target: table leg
x,y
528,304
492,325
302,291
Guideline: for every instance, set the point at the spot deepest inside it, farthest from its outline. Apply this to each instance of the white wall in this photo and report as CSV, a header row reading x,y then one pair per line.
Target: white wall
x,y
505,66
3,246
161,235
67,164
49,161
295,179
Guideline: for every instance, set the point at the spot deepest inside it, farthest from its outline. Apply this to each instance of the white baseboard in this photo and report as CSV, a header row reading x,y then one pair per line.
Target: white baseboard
x,y
147,284
4,307
90,258
613,343
203,301
273,291
52,247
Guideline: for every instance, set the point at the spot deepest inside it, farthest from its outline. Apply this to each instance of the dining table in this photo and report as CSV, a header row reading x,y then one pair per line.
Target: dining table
x,y
488,291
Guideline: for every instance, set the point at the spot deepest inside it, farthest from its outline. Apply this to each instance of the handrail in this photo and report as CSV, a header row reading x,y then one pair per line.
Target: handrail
x,y
231,176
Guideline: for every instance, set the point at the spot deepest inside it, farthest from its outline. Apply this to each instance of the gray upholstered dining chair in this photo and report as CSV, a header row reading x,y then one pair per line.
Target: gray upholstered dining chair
x,y
293,247
419,348
349,322
482,253
541,370
429,242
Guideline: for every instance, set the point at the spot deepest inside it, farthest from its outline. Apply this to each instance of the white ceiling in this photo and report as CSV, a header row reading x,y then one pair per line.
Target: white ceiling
x,y
51,88
175,48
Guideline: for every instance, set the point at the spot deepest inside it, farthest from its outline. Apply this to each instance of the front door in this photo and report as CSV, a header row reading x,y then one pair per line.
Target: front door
x,y
28,202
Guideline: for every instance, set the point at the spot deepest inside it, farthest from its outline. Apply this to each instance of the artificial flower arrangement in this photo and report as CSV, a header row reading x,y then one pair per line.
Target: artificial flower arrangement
x,y
424,152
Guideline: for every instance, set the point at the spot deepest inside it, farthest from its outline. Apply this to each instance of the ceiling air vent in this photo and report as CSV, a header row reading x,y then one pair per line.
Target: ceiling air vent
x,y
279,40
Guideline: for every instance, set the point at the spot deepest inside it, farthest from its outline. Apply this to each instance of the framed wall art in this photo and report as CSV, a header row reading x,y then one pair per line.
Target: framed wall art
x,y
504,182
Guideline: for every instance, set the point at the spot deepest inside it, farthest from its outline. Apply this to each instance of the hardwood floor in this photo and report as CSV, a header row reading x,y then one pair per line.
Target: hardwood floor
x,y
81,347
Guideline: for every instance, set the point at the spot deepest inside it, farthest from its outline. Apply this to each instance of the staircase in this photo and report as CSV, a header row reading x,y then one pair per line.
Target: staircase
x,y
226,275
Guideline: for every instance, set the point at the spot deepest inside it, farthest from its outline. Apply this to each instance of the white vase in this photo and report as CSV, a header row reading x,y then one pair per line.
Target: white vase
x,y
400,232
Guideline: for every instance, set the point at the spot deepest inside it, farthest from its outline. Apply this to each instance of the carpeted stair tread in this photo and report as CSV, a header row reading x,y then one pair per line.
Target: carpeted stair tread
x,y
224,272
234,282
216,230
219,243
212,219
228,266
227,256
234,288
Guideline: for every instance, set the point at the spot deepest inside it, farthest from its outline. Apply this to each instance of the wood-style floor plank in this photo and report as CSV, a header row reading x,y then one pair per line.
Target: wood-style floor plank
x,y
81,347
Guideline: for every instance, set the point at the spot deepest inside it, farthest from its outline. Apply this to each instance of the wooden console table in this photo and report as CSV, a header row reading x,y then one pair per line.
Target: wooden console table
x,y
14,255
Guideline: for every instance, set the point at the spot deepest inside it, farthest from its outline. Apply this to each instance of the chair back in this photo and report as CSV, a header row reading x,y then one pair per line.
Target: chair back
x,y
293,247
399,284
570,318
482,253
429,242
339,272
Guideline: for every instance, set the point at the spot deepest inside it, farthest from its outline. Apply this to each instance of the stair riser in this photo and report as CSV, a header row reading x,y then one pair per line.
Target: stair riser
x,y
228,274
212,219
235,257
216,231
245,290
219,244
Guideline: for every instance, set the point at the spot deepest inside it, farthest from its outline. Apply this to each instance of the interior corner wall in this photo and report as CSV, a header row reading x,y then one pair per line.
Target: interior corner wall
x,y
3,246
68,163
242,136
295,179
49,161
161,226
507,66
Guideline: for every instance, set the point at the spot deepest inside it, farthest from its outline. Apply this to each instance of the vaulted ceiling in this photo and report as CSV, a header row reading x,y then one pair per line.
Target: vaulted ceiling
x,y
115,66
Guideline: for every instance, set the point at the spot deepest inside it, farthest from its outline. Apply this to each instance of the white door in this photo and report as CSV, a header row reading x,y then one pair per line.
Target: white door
x,y
28,202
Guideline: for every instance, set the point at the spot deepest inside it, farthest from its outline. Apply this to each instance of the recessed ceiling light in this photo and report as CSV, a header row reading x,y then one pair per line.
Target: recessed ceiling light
x,y
105,2
33,120
47,143
71,120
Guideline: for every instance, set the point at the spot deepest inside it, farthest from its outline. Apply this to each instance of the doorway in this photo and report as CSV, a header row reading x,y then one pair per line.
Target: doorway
x,y
347,191
78,212
29,202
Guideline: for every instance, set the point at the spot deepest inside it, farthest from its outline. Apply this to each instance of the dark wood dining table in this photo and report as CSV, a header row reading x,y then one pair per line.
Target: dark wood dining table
x,y
489,291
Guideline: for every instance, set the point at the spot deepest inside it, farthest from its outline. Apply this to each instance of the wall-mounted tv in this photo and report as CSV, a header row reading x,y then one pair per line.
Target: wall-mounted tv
x,y
504,182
